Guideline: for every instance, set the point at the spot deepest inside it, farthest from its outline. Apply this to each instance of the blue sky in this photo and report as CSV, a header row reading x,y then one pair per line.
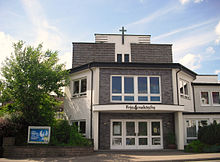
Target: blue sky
x,y
192,26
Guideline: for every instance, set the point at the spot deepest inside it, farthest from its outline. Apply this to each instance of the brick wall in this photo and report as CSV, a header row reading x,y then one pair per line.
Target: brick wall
x,y
165,74
104,121
92,52
44,151
151,53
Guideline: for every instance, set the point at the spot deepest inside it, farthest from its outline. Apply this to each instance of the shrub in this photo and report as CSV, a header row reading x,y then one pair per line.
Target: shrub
x,y
64,134
210,134
195,146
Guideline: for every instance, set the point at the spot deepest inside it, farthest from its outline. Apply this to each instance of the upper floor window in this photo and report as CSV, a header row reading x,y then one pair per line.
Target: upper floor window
x,y
79,87
135,88
210,98
184,89
126,57
119,57
215,98
123,58
204,98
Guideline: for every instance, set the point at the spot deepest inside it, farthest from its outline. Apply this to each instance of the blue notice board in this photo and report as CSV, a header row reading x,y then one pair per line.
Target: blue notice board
x,y
38,134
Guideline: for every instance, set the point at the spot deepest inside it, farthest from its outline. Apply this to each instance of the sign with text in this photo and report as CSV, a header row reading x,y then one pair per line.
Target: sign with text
x,y
39,134
140,107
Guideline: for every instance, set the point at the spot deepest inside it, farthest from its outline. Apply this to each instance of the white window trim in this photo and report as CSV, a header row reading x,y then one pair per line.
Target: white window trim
x,y
183,95
197,128
78,121
80,94
135,94
123,57
210,99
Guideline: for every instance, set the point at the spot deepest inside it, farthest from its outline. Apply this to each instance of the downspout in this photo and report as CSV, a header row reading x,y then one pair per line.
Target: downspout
x,y
91,103
177,86
194,106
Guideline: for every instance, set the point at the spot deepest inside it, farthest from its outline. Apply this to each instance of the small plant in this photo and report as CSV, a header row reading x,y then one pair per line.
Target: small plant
x,y
195,146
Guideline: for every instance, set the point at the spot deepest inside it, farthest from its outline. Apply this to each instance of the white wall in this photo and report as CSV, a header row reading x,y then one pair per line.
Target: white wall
x,y
78,108
188,103
206,108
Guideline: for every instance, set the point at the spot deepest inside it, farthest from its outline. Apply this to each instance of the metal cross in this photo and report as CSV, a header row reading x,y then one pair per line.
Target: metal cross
x,y
123,34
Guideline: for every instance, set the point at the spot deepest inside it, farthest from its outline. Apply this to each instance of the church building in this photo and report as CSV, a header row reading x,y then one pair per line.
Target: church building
x,y
126,93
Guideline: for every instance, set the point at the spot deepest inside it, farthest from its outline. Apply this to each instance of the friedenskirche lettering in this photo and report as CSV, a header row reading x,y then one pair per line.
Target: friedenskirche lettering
x,y
140,107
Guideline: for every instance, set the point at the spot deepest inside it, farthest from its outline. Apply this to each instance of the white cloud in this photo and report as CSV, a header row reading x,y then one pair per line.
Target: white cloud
x,y
191,61
153,16
210,50
186,44
184,29
197,1
66,59
183,2
6,43
217,71
44,32
217,31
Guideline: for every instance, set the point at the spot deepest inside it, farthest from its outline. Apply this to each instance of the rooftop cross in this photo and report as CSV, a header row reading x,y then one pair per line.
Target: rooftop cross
x,y
123,34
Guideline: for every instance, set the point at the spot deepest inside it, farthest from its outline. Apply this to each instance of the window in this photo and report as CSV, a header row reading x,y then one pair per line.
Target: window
x,y
122,58
126,58
204,98
210,98
79,87
192,127
215,98
136,88
184,89
119,57
81,126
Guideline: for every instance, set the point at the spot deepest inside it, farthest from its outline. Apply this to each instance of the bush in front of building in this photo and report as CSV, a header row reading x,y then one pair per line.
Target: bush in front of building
x,y
195,146
63,134
210,134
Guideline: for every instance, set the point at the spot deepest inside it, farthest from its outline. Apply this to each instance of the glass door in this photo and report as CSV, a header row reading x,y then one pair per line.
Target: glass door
x,y
143,136
156,137
130,135
116,141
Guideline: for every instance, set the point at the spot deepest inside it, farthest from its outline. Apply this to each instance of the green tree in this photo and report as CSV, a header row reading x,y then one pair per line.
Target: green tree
x,y
30,76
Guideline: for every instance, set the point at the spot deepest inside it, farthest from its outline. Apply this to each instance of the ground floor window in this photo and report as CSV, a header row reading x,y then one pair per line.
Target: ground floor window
x,y
136,134
192,127
81,125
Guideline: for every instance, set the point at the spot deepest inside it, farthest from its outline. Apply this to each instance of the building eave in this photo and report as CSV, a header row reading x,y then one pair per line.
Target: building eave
x,y
141,65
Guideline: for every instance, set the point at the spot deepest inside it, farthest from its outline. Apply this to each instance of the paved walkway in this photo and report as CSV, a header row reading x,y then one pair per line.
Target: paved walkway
x,y
126,156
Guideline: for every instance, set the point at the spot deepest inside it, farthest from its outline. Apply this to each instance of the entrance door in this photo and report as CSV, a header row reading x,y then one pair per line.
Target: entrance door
x,y
136,134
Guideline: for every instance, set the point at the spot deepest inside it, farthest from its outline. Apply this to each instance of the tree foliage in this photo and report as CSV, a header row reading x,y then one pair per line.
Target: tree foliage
x,y
30,76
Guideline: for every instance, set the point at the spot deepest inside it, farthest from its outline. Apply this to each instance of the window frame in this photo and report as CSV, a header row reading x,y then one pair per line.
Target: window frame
x,y
123,57
78,126
214,104
197,127
80,94
135,94
184,95
209,97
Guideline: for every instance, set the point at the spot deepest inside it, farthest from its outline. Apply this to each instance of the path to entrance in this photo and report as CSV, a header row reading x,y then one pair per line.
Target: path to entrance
x,y
125,156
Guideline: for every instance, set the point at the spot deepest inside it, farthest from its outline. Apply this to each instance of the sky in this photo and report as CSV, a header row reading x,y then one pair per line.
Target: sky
x,y
191,26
